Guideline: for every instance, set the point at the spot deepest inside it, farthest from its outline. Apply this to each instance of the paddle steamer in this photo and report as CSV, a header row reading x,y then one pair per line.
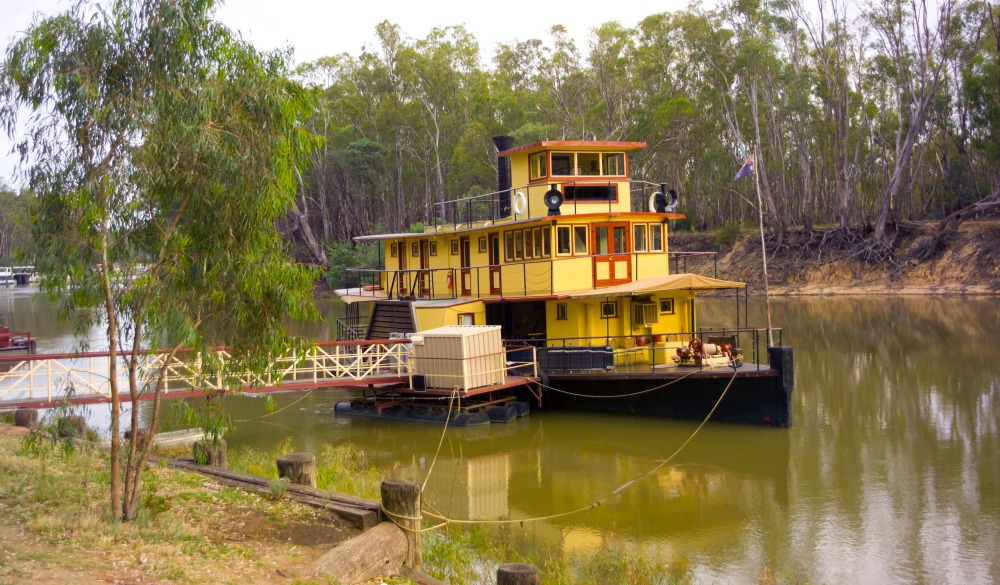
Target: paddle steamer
x,y
569,258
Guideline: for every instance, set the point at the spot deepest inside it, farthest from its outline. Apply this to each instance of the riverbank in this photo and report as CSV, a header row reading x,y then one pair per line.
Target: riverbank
x,y
823,263
54,526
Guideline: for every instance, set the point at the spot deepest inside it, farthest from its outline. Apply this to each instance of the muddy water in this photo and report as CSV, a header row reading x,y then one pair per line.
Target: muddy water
x,y
890,473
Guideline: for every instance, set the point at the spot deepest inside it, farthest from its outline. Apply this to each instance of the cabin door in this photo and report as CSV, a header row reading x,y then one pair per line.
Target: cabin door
x,y
425,274
611,247
465,256
400,279
495,288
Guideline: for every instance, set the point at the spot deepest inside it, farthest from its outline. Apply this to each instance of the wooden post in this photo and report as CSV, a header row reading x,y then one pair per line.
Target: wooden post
x,y
208,453
26,417
518,574
401,503
72,426
299,468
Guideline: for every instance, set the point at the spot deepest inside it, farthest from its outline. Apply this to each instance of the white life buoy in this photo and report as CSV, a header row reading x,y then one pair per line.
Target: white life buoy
x,y
652,202
520,203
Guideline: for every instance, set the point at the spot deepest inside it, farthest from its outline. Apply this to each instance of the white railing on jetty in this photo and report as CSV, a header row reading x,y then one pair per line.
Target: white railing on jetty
x,y
52,376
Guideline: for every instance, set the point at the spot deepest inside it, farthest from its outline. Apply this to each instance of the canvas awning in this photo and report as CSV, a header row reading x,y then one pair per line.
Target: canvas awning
x,y
655,284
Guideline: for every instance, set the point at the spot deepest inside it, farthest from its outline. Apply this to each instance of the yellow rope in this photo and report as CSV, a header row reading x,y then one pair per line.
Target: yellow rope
x,y
303,397
446,521
451,402
640,392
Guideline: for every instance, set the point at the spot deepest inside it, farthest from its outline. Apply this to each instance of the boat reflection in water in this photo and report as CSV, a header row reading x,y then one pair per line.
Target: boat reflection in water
x,y
553,463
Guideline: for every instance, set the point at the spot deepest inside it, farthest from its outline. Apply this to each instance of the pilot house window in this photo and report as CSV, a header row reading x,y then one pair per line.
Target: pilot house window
x,y
538,165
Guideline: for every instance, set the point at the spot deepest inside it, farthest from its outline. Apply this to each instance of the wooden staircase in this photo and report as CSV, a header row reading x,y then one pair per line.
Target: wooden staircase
x,y
390,317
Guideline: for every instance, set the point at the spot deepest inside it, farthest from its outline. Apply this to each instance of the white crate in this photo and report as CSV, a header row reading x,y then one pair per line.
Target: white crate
x,y
466,356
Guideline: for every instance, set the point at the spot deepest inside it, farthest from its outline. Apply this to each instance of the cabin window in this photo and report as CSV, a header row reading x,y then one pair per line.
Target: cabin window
x,y
538,165
454,247
518,246
546,242
482,245
466,318
529,248
601,240
562,163
620,236
588,163
508,240
414,249
563,241
614,164
667,306
562,312
591,193
434,248
639,237
609,309
580,239
393,250
537,239
655,237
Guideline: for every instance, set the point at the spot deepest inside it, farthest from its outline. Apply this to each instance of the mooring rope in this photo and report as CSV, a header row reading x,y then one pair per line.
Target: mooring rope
x,y
445,521
286,407
639,393
451,402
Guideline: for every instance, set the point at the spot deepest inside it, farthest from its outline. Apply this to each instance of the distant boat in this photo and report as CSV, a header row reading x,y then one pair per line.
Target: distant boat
x,y
7,276
16,341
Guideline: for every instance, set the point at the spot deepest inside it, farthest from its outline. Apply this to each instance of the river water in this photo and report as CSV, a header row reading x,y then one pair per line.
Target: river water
x,y
889,474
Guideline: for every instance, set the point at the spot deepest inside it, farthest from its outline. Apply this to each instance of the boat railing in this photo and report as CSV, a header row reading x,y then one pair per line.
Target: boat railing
x,y
351,329
483,209
536,277
652,350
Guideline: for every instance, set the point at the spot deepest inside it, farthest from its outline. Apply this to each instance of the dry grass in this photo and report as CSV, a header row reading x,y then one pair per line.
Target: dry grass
x,y
55,527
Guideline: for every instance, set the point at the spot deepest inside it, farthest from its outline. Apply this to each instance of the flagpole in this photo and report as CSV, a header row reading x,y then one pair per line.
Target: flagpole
x,y
763,248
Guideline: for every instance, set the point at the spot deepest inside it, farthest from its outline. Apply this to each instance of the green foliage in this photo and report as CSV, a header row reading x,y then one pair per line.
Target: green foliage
x,y
165,148
344,255
277,487
727,234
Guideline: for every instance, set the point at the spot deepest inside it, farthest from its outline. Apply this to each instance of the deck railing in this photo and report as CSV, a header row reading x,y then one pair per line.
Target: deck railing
x,y
479,209
651,350
524,278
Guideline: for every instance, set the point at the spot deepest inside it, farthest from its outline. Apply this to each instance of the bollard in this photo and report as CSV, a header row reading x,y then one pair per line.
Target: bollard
x,y
299,468
401,503
26,417
208,453
518,574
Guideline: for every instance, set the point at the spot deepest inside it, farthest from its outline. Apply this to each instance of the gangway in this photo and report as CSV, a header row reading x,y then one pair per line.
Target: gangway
x,y
49,380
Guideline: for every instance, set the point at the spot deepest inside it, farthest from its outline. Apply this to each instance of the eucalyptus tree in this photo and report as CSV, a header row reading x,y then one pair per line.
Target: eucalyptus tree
x,y
162,149
915,39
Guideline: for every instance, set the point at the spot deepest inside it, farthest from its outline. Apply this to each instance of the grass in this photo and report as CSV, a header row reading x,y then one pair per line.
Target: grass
x,y
56,525
341,468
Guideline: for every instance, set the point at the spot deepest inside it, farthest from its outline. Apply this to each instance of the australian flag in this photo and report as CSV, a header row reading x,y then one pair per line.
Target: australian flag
x,y
746,170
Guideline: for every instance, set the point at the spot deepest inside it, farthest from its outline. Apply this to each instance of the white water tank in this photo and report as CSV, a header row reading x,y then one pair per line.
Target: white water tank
x,y
463,356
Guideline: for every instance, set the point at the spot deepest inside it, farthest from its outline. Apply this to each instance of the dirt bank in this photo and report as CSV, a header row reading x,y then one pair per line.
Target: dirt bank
x,y
828,262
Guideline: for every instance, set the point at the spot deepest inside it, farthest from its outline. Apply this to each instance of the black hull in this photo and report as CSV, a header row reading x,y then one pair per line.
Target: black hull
x,y
759,396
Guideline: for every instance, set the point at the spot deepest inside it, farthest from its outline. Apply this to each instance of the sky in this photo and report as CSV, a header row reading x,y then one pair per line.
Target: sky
x,y
317,28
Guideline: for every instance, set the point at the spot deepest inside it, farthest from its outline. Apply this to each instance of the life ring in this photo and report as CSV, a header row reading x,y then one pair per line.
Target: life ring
x,y
520,203
695,345
652,202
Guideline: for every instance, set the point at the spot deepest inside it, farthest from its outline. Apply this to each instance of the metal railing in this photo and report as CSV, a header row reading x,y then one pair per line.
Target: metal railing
x,y
652,350
484,208
528,277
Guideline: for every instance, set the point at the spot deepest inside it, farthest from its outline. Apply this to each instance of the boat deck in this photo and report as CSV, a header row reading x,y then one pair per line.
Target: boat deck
x,y
647,370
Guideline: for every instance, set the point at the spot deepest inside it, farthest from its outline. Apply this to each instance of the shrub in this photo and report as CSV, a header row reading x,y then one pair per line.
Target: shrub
x,y
727,234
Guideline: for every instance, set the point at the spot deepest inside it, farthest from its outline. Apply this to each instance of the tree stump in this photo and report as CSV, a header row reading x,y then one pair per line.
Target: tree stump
x,y
518,574
26,417
209,453
299,468
141,437
401,503
74,427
